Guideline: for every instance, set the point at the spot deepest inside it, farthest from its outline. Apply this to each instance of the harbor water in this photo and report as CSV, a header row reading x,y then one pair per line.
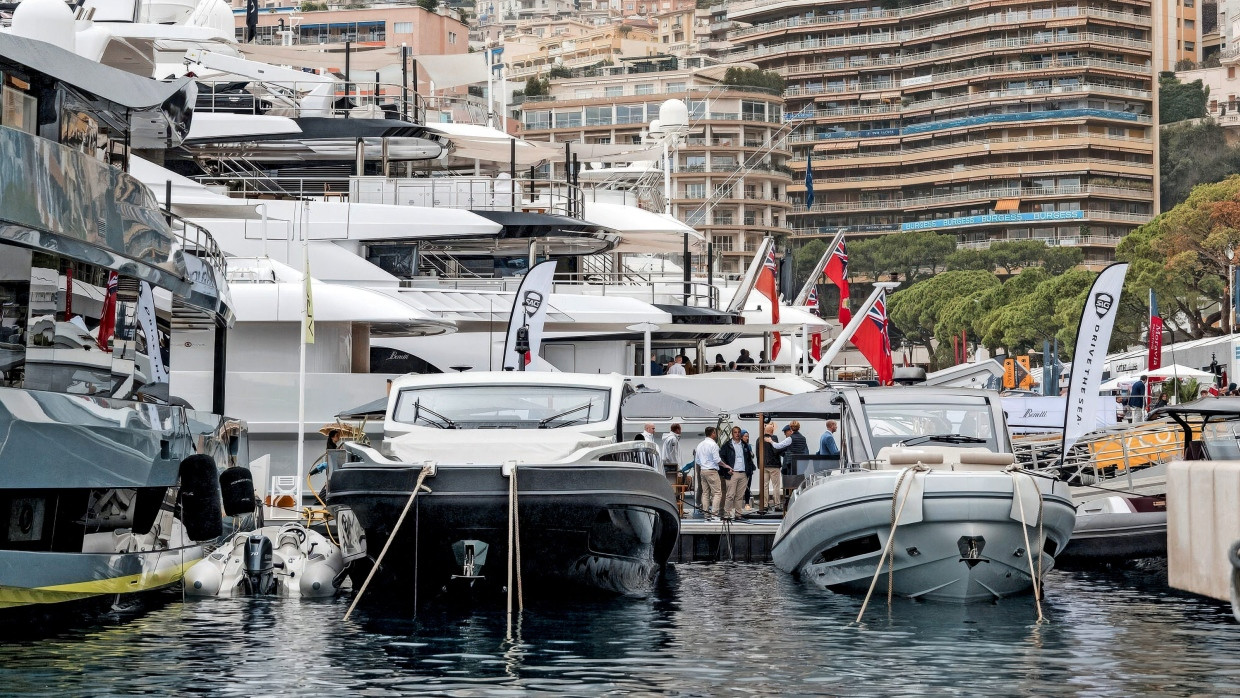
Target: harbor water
x,y
713,629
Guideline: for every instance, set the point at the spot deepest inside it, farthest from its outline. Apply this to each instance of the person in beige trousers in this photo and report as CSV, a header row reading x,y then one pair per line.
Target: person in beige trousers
x,y
770,464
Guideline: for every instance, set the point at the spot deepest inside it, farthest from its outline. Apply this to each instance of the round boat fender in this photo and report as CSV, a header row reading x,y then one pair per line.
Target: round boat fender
x,y
201,511
1234,553
237,488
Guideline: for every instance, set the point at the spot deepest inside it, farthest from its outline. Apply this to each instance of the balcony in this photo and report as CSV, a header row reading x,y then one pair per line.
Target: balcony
x,y
981,146
979,170
856,16
898,204
895,38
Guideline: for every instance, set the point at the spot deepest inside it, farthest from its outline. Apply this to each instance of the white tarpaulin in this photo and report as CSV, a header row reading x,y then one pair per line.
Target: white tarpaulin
x,y
1092,338
454,70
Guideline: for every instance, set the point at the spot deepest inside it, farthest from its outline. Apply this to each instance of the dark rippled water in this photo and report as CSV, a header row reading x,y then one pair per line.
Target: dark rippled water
x,y
715,629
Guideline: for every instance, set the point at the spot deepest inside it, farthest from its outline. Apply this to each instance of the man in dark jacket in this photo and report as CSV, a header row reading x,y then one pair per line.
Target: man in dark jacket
x,y
732,453
751,468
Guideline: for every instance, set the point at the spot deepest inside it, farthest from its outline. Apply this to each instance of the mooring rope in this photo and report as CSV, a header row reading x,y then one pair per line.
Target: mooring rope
x,y
514,545
889,551
1024,529
426,470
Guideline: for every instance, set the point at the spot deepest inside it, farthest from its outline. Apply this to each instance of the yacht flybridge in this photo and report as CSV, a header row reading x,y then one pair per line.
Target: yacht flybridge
x,y
541,452
110,484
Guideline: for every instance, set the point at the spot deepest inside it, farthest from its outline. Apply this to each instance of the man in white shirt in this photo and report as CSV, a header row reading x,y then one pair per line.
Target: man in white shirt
x,y
647,433
706,455
678,367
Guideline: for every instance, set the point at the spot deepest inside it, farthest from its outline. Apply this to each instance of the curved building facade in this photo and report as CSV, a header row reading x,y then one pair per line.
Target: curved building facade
x,y
989,120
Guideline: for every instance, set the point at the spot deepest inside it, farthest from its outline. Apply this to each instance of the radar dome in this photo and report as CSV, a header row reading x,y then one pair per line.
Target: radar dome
x,y
50,21
674,115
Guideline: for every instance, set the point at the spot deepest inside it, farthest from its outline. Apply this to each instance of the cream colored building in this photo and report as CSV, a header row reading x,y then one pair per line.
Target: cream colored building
x,y
730,178
986,122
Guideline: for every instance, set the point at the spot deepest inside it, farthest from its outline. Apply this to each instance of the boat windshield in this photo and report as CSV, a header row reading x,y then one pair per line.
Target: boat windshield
x,y
502,406
966,423
1221,440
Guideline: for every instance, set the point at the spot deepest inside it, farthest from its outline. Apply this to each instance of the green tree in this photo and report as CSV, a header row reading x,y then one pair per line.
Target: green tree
x,y
559,71
918,309
534,86
1193,154
806,257
754,78
912,255
1013,255
1178,101
1181,254
428,4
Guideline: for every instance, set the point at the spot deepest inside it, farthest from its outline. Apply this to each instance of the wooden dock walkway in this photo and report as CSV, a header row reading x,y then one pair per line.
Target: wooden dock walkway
x,y
748,540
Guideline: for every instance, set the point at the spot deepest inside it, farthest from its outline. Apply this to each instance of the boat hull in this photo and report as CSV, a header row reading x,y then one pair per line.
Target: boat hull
x,y
593,527
44,578
960,537
1117,537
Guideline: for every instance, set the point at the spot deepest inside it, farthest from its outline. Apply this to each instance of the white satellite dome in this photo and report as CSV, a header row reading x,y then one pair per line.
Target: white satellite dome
x,y
50,21
674,115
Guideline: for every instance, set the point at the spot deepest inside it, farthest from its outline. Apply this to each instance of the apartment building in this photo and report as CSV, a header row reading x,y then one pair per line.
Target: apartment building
x,y
527,55
989,120
691,31
1180,32
730,176
379,25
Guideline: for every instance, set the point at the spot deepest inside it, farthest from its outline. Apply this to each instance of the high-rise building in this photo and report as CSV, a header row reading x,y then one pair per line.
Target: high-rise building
x,y
730,177
985,120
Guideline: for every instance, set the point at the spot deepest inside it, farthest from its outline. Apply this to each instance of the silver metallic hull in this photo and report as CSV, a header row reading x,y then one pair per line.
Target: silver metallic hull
x,y
960,536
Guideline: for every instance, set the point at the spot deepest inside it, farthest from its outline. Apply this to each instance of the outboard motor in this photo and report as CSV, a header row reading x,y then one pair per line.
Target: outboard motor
x,y
259,567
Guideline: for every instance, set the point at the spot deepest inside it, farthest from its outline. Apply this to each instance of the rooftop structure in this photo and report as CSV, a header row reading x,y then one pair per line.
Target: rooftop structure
x,y
371,26
989,124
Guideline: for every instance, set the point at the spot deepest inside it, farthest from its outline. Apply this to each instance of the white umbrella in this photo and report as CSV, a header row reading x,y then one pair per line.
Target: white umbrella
x,y
1120,383
1178,371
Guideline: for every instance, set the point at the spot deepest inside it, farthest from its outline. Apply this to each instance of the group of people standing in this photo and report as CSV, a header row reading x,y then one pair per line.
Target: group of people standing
x,y
727,469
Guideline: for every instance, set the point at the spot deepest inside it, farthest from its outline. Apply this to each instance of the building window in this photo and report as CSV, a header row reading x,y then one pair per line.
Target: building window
x,y
402,27
1189,3
570,119
630,113
646,89
1190,46
675,87
753,111
598,116
538,119
695,191
613,91
1190,25
452,37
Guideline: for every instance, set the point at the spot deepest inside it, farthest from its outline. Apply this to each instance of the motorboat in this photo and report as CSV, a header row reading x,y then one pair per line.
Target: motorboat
x,y
542,453
112,485
289,560
925,497
1117,529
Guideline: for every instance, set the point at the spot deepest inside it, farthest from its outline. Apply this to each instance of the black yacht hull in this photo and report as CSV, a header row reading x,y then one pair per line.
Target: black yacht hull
x,y
596,527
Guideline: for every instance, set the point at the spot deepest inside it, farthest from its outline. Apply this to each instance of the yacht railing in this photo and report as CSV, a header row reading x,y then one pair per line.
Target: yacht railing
x,y
536,195
1110,454
294,99
195,240
616,284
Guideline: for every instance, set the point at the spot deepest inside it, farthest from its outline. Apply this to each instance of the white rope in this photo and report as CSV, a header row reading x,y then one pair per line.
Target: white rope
x,y
426,470
1024,529
891,537
514,546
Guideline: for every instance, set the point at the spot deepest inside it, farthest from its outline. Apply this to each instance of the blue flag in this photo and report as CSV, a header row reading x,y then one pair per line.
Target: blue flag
x,y
809,181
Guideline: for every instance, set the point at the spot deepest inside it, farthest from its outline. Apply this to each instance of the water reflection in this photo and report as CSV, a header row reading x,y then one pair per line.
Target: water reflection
x,y
713,628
